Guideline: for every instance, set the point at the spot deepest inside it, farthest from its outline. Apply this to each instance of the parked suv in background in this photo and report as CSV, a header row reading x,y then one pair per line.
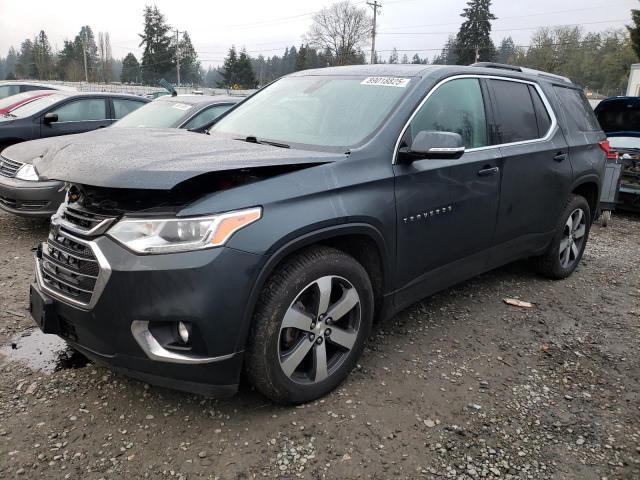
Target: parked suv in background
x,y
328,199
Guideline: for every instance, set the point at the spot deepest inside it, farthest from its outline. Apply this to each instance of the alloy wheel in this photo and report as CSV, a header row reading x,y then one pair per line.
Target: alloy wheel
x,y
319,329
573,238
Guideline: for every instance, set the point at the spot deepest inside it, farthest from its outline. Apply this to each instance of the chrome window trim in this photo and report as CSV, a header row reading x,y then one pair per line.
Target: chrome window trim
x,y
103,277
545,102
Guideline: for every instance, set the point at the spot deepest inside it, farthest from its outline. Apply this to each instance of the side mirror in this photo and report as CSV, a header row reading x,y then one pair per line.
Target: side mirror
x,y
433,145
50,117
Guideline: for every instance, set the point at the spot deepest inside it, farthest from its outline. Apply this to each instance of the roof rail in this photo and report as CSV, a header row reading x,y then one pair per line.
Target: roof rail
x,y
528,71
502,66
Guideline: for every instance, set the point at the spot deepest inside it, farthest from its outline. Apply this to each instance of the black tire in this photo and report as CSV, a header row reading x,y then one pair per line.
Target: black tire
x,y
287,285
549,264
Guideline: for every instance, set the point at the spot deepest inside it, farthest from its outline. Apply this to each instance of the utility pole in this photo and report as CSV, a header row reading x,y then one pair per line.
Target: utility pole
x,y
375,5
178,55
85,40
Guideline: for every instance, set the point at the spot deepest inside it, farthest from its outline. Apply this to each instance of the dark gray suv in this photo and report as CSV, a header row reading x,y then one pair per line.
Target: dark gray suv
x,y
327,200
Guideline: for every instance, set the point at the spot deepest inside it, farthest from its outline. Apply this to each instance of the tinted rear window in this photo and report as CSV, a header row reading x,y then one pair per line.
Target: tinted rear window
x,y
619,115
579,112
516,114
542,115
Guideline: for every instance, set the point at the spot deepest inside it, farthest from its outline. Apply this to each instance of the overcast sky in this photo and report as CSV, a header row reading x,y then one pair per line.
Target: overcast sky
x,y
421,26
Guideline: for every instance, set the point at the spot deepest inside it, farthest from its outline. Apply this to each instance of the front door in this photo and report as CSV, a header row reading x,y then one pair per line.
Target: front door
x,y
76,116
446,209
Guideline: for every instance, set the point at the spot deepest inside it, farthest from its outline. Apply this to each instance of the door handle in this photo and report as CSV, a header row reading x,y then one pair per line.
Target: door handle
x,y
488,171
560,156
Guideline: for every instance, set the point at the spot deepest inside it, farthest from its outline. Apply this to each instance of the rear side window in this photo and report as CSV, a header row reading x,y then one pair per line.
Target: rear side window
x,y
542,115
516,113
458,107
122,107
579,112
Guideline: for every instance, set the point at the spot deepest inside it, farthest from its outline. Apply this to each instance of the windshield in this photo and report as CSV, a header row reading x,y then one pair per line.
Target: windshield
x,y
157,114
37,105
317,111
620,116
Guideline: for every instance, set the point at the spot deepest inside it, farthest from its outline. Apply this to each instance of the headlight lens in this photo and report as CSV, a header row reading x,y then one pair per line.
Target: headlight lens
x,y
181,234
27,172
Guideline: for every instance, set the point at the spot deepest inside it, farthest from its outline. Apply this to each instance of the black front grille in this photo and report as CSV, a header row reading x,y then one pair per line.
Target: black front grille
x,y
69,266
9,168
8,202
81,218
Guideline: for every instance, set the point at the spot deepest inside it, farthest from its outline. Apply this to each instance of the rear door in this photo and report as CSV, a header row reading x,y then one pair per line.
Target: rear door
x,y
121,107
77,116
536,172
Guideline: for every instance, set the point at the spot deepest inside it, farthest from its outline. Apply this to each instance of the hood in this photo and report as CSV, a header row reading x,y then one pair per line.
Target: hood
x,y
157,159
27,152
619,116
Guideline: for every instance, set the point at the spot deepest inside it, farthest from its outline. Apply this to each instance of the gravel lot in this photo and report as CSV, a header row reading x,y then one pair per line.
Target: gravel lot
x,y
459,386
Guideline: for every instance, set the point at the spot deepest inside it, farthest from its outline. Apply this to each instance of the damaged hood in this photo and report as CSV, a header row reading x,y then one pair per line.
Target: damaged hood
x,y
158,159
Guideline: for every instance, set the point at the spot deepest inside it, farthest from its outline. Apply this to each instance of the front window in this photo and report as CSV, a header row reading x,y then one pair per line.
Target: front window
x,y
321,111
458,107
36,106
157,114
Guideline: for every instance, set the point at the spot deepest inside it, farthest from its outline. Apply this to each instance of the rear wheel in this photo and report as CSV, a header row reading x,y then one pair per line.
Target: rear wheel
x,y
310,325
570,239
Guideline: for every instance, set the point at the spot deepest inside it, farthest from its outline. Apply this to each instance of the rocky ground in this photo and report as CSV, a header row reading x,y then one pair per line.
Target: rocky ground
x,y
459,386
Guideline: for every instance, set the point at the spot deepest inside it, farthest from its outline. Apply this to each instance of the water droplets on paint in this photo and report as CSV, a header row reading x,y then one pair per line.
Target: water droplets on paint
x,y
42,352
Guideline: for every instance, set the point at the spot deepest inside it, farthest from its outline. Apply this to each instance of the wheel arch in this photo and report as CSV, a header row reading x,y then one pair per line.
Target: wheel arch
x,y
362,241
589,188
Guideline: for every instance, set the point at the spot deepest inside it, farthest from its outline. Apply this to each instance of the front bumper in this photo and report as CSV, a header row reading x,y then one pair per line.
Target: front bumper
x,y
30,199
208,288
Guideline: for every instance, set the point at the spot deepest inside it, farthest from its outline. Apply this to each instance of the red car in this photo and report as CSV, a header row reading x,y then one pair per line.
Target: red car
x,y
9,103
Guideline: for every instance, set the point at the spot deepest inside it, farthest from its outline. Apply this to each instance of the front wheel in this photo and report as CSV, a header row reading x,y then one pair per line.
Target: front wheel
x,y
570,239
310,325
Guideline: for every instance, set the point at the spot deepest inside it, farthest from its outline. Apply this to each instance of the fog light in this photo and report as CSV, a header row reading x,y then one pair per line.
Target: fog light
x,y
183,331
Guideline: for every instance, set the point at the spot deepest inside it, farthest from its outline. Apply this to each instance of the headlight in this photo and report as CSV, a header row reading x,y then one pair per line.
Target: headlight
x,y
181,234
27,172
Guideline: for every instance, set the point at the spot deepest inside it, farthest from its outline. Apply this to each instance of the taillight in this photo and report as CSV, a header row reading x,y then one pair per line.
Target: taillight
x,y
606,148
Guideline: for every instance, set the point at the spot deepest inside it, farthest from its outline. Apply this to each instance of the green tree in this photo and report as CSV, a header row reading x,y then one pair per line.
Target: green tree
x,y
230,69
42,56
26,67
86,40
10,63
393,58
507,52
473,42
634,31
301,58
189,64
157,58
448,55
130,69
246,76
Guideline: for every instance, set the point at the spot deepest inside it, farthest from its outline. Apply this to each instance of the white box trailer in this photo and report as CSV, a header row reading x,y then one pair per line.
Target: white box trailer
x,y
633,87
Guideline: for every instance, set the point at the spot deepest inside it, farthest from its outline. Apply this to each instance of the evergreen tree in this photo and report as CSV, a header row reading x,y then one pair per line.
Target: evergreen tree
x,y
634,31
85,39
473,42
393,58
10,63
130,69
157,58
26,67
189,64
301,59
42,56
448,55
245,75
230,69
405,59
508,52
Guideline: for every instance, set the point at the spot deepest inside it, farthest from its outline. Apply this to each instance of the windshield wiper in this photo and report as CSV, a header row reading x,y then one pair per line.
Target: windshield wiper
x,y
253,139
10,115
